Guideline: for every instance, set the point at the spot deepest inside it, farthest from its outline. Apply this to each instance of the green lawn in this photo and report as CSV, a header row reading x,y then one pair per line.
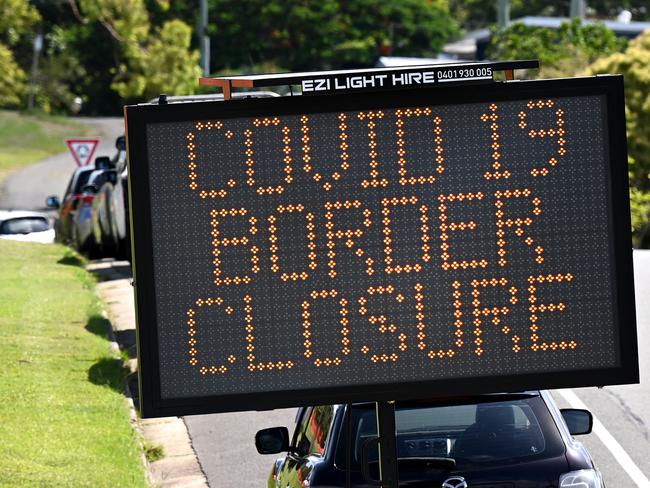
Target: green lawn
x,y
25,139
63,417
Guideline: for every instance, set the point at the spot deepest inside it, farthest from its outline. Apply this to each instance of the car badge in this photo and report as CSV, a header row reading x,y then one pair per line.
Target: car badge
x,y
455,482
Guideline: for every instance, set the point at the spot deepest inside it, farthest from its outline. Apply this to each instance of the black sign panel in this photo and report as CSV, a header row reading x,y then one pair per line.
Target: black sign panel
x,y
409,244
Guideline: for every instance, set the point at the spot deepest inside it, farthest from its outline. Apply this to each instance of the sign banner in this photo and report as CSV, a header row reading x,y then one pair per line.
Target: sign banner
x,y
388,246
82,150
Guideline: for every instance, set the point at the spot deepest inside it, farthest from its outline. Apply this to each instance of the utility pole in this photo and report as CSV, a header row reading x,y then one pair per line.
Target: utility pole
x,y
204,40
38,47
503,13
578,8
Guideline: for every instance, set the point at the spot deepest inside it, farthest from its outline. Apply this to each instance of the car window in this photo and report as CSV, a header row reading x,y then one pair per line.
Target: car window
x,y
314,430
24,225
82,180
491,432
299,438
98,179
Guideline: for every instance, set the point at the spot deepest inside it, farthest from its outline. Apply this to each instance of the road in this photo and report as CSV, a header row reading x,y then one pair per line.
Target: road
x,y
624,411
225,445
28,188
225,442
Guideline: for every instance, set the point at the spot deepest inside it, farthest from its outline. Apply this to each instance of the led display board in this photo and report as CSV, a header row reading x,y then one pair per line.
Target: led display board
x,y
426,242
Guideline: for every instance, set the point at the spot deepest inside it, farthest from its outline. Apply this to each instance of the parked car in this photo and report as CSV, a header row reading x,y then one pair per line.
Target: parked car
x,y
25,225
83,237
67,206
110,209
501,440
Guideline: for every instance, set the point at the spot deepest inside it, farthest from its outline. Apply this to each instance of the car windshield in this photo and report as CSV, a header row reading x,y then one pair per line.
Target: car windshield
x,y
477,433
24,225
82,180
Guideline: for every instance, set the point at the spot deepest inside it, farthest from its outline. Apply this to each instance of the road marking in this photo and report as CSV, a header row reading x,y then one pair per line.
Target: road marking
x,y
612,444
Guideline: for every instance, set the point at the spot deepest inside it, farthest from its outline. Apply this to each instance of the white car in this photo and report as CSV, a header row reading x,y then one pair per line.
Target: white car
x,y
25,225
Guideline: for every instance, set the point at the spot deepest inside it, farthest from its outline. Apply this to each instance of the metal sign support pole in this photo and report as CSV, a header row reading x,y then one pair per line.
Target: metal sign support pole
x,y
388,471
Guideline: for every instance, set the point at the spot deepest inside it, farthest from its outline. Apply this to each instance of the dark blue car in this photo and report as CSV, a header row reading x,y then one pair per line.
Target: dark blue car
x,y
487,441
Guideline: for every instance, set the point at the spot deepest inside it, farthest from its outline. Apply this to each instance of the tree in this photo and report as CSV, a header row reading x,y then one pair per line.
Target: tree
x,y
165,66
634,65
146,62
566,51
17,18
309,34
475,14
61,74
13,87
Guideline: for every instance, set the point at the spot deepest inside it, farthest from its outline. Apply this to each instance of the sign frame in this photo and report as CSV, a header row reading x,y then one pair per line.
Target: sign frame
x,y
94,143
136,119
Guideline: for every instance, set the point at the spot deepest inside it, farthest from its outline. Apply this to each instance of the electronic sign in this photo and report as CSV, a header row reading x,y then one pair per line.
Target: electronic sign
x,y
381,246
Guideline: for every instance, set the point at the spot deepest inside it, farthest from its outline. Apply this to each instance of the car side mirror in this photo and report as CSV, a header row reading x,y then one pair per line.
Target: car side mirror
x,y
120,143
52,201
89,189
577,420
272,441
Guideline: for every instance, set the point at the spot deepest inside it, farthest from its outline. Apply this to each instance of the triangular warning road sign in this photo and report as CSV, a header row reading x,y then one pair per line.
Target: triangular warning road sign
x,y
82,150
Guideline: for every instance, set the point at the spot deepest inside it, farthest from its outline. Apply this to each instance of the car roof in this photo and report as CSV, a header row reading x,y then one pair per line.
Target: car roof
x,y
457,399
18,214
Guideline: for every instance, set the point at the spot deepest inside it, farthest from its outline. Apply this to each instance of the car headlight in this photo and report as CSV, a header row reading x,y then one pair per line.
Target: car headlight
x,y
584,478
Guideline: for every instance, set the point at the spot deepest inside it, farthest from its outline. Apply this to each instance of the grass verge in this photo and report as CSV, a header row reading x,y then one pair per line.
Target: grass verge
x,y
63,417
25,139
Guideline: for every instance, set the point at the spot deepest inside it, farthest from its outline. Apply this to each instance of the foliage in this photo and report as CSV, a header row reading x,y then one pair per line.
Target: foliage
x,y
166,66
126,20
634,65
13,80
146,62
61,74
566,51
153,452
111,52
65,421
17,18
127,24
640,207
171,66
305,34
100,50
475,14
611,8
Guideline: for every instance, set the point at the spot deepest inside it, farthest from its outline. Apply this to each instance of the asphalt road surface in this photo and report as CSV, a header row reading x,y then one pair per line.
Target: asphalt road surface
x,y
27,189
621,446
224,443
